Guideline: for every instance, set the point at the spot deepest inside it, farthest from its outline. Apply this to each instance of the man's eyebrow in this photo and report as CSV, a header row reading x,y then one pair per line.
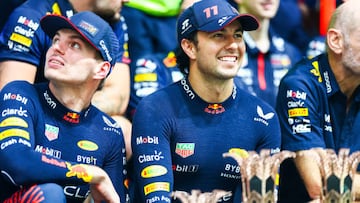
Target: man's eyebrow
x,y
73,36
240,29
77,36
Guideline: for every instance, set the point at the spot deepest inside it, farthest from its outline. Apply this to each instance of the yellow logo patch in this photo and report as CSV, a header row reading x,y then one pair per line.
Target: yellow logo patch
x,y
145,77
14,121
298,112
87,145
21,39
14,133
157,186
153,171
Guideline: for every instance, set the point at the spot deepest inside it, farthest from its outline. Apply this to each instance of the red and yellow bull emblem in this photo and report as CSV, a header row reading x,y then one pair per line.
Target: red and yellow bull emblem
x,y
170,60
214,109
72,117
80,171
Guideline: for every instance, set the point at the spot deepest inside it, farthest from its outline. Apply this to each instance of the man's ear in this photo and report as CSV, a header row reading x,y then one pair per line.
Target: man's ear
x,y
102,70
189,48
335,40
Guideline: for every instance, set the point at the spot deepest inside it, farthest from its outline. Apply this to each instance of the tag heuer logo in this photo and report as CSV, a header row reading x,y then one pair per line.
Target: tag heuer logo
x,y
51,132
185,149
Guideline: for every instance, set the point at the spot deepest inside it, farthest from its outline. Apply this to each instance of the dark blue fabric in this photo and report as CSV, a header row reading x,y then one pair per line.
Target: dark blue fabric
x,y
177,131
312,113
41,140
48,192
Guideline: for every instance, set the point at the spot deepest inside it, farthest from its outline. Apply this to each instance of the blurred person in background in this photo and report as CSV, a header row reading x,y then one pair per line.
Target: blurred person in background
x,y
152,37
268,56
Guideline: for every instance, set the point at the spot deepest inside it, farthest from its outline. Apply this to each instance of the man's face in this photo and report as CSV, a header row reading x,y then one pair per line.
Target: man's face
x,y
219,54
262,9
70,59
351,51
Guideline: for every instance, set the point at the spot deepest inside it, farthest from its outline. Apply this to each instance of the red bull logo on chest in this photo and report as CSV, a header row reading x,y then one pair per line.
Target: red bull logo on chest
x,y
72,117
214,109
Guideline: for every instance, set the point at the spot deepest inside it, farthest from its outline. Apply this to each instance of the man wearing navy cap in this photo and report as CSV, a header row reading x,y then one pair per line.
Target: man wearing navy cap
x,y
23,45
191,123
55,145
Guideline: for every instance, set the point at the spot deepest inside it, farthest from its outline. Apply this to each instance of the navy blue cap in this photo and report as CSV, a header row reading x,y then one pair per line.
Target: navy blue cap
x,y
211,16
90,26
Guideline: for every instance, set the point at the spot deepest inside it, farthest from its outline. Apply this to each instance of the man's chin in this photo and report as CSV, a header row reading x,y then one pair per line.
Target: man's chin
x,y
109,16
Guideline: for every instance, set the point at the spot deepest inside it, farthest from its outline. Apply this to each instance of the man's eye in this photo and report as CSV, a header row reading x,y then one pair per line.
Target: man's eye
x,y
238,35
217,35
75,45
55,41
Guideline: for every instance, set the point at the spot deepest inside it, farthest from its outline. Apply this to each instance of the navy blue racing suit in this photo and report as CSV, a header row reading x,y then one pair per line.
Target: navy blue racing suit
x,y
312,113
178,140
42,141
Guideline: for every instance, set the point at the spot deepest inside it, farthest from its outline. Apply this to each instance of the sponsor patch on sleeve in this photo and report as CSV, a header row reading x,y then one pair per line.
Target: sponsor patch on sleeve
x,y
21,39
157,186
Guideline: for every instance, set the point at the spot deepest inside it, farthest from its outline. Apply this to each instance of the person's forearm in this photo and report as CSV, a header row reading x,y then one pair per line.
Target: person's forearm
x,y
309,172
101,187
